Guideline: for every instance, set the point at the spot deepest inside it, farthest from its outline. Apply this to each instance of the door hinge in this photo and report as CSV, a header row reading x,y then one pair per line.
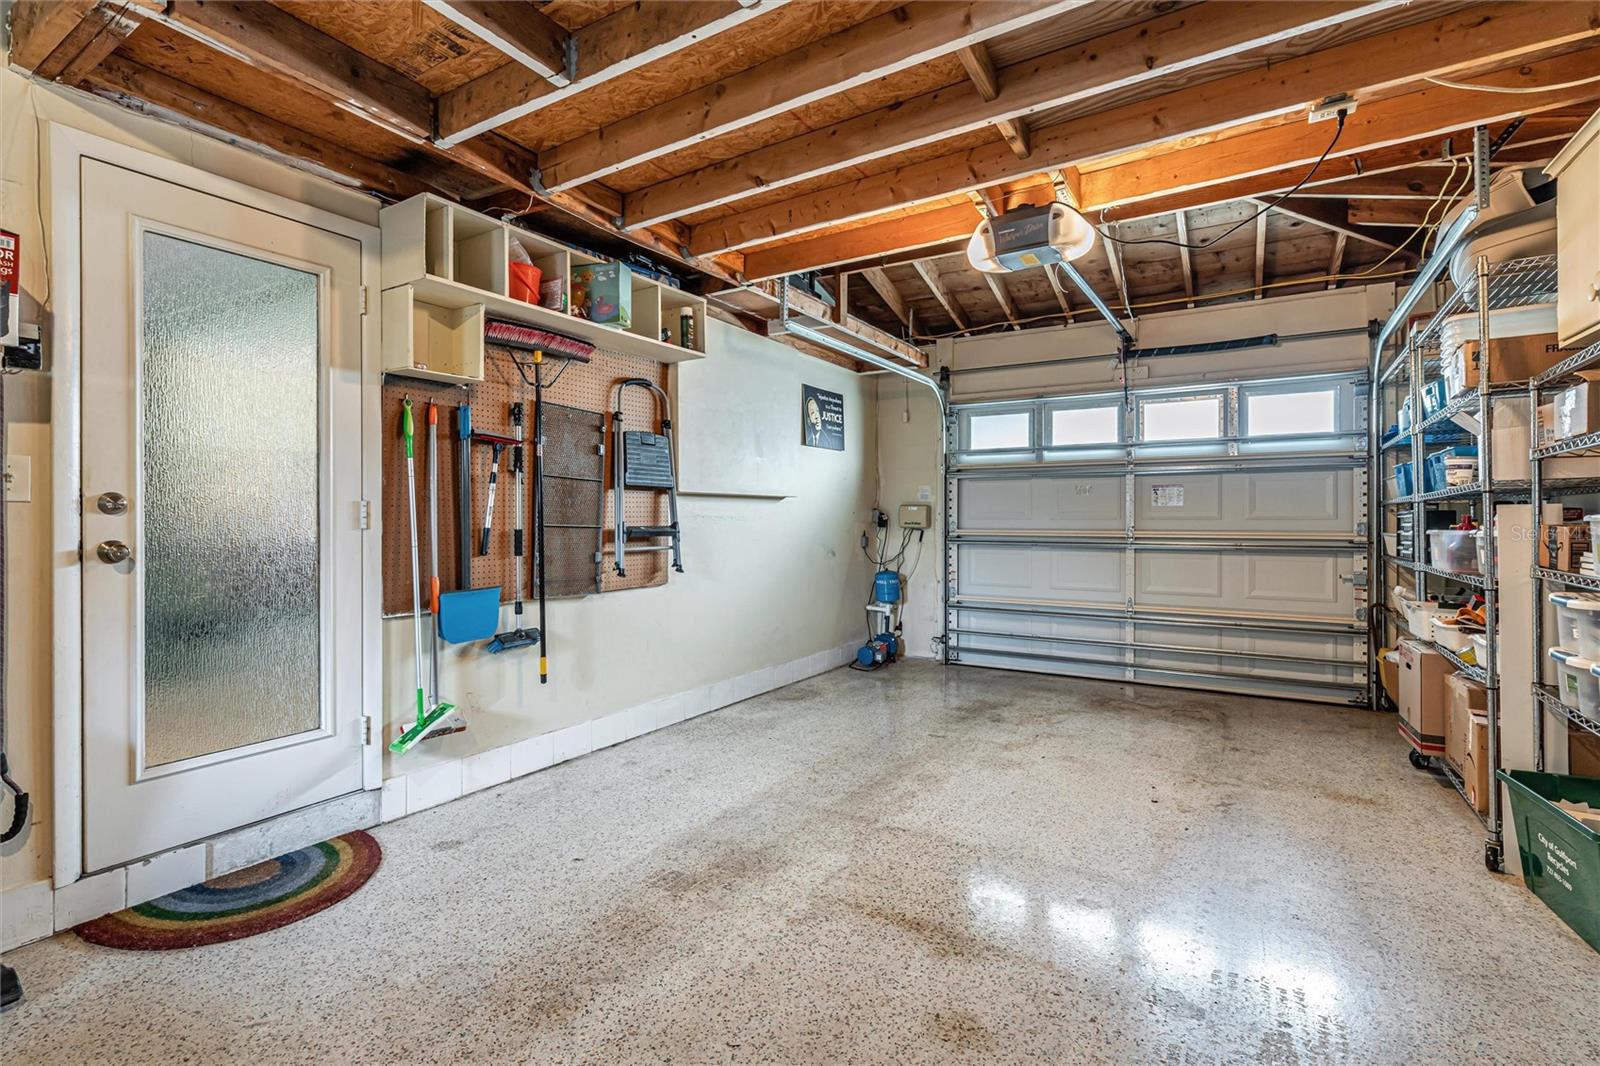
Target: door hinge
x,y
363,514
363,299
366,730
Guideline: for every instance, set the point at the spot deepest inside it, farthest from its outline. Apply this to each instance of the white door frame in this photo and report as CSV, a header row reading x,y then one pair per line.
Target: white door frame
x,y
66,148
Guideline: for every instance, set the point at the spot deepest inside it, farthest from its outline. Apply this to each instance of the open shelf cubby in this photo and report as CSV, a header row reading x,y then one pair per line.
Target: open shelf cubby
x,y
446,268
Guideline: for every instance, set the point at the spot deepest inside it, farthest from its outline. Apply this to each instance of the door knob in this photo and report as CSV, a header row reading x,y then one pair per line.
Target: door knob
x,y
113,552
112,503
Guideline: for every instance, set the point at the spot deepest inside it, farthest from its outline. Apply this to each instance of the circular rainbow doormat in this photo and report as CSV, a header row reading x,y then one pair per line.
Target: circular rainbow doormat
x,y
246,902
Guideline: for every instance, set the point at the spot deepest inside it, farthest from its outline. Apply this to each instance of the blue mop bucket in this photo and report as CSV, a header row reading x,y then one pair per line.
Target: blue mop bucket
x,y
469,615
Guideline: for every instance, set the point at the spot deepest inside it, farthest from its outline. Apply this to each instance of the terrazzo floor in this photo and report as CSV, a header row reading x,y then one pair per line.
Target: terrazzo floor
x,y
917,865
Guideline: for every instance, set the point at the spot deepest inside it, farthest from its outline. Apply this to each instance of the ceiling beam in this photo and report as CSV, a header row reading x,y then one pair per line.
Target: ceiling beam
x,y
1185,39
1182,218
997,286
141,89
1054,278
1407,213
39,26
620,43
888,292
1329,215
899,40
1485,35
96,36
1261,251
930,277
518,31
1336,262
980,71
1249,164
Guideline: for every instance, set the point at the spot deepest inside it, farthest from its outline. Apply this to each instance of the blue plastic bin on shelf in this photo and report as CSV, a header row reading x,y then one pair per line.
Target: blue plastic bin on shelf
x,y
1403,483
1433,397
1433,478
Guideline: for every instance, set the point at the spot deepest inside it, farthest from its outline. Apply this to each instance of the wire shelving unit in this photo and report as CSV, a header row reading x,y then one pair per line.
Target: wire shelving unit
x,y
1419,360
1546,701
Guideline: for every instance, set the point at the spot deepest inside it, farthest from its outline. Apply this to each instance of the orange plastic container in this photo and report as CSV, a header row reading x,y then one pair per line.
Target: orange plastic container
x,y
524,282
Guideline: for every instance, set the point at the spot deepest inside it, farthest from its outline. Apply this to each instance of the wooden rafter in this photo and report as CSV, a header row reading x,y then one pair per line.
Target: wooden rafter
x,y
980,70
930,277
39,26
520,32
888,292
1181,217
1407,213
1054,278
1261,250
615,45
1492,35
1336,262
1249,164
96,36
1333,216
996,283
1163,46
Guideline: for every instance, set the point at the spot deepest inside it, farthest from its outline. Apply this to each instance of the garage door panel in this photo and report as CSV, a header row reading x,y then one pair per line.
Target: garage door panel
x,y
1088,638
1057,504
1329,673
1257,502
1053,573
1299,500
1274,583
1330,647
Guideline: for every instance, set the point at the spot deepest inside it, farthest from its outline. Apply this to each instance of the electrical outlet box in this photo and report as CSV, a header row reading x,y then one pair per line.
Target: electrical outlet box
x,y
1330,107
915,516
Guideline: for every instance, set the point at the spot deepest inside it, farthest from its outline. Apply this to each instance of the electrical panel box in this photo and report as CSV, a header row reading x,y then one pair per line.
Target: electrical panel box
x,y
915,516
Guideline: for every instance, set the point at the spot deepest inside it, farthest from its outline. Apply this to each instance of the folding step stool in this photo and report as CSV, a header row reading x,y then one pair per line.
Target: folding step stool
x,y
643,460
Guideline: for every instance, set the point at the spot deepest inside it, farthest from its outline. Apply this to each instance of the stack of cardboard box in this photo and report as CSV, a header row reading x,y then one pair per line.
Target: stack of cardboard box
x,y
1466,746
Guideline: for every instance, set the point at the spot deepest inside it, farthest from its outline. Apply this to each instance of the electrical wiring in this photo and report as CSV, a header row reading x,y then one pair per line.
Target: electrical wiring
x,y
1512,90
1200,246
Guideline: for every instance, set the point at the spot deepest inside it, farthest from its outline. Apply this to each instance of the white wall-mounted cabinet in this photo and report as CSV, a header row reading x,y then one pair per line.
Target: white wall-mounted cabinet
x,y
1577,172
447,268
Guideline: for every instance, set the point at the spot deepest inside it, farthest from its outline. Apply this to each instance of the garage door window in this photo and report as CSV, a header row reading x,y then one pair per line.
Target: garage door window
x,y
1280,414
1000,431
1188,418
1071,426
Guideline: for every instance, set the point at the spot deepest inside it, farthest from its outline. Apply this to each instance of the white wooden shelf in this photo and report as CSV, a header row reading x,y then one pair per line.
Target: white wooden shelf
x,y
447,268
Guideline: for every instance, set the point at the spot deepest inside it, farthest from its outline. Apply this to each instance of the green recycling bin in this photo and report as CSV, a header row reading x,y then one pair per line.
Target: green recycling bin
x,y
1560,855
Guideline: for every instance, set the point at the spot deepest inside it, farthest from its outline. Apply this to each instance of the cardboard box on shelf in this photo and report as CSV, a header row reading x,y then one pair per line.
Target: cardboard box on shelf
x,y
1578,408
1583,752
1562,544
1422,696
1511,358
1475,767
603,292
1389,674
1466,697
1547,425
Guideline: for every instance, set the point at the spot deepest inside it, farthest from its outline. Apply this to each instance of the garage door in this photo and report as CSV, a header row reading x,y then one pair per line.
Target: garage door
x,y
1206,536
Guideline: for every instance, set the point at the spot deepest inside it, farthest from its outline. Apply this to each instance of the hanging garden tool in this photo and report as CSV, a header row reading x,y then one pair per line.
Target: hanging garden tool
x,y
452,722
427,717
538,344
468,614
517,636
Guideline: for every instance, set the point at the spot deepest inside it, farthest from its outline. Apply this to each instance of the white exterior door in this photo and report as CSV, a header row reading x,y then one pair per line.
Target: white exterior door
x,y
221,476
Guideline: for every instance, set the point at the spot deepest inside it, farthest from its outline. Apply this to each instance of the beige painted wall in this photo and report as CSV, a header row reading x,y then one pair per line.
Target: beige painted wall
x,y
768,580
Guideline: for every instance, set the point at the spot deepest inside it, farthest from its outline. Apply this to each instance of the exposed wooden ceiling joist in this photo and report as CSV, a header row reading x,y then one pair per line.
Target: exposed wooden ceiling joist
x,y
518,31
902,39
1150,185
622,42
888,292
1406,213
997,286
1165,45
1336,263
39,26
1181,217
1330,215
1261,251
1489,35
930,277
96,36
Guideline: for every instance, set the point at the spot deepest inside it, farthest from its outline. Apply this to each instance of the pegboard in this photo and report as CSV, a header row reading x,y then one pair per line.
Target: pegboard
x,y
577,478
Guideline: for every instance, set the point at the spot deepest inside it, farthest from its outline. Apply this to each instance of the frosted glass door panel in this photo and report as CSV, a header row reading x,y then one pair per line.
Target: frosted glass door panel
x,y
232,602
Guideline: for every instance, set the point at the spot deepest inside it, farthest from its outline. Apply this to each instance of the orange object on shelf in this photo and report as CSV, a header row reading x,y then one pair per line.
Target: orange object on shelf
x,y
524,282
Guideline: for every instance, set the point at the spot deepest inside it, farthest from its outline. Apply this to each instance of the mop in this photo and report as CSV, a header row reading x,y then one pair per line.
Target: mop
x,y
426,719
452,722
516,637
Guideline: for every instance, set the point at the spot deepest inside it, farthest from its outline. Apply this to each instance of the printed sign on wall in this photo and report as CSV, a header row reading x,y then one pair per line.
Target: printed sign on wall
x,y
821,418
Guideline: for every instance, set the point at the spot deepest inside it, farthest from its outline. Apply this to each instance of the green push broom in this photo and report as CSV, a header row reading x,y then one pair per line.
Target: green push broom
x,y
425,718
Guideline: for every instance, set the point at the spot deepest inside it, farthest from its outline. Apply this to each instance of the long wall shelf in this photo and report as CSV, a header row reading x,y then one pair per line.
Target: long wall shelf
x,y
1552,703
1571,580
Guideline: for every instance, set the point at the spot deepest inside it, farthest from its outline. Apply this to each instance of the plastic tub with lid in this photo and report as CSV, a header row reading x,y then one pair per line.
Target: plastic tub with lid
x,y
1420,615
1449,633
1480,649
1577,683
1577,613
1453,549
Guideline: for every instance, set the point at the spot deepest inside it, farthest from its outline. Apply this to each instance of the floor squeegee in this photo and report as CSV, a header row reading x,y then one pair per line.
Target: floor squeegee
x,y
426,717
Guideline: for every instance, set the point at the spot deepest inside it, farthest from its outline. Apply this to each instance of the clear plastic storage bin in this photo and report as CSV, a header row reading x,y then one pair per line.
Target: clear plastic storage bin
x,y
1453,549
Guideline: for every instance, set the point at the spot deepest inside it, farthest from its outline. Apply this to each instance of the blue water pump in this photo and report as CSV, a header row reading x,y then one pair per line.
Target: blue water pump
x,y
882,618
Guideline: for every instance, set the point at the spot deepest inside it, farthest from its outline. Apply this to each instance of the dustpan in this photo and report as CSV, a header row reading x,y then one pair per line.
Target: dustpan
x,y
469,615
